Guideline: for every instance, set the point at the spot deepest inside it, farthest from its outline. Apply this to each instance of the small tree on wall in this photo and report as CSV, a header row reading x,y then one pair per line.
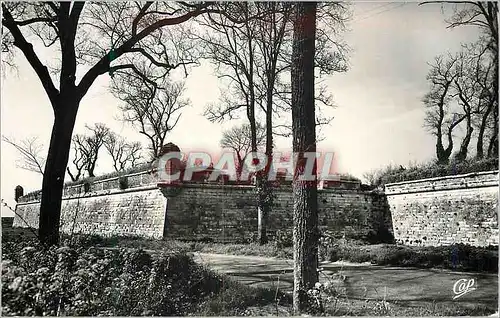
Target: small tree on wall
x,y
154,108
124,154
79,158
238,139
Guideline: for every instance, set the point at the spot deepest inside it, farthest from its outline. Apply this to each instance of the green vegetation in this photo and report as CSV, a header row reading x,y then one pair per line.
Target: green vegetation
x,y
78,279
91,275
457,257
391,174
136,169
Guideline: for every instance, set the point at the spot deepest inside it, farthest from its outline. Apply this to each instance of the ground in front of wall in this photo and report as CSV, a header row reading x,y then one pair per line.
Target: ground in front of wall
x,y
252,283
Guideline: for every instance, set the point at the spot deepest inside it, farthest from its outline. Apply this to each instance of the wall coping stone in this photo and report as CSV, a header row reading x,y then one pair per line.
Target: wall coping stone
x,y
469,180
110,179
98,194
194,185
283,187
467,175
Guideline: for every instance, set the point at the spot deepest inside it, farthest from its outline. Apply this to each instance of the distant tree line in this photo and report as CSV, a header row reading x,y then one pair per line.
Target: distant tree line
x,y
87,149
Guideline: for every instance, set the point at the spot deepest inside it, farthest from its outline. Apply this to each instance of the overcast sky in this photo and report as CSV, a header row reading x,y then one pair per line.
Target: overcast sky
x,y
378,120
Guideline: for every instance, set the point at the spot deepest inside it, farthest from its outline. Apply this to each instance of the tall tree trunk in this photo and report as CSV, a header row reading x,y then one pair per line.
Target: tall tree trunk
x,y
445,155
305,209
442,154
55,168
482,130
440,151
493,143
262,206
264,187
90,170
462,152
261,226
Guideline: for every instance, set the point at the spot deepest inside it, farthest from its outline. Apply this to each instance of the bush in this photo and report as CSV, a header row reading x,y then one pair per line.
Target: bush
x,y
123,181
284,238
91,282
391,174
458,257
86,187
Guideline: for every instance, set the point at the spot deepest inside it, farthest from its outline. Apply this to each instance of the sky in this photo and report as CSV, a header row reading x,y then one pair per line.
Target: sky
x,y
378,119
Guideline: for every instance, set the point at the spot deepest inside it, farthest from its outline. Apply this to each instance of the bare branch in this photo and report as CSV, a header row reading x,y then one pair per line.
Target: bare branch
x,y
30,151
27,49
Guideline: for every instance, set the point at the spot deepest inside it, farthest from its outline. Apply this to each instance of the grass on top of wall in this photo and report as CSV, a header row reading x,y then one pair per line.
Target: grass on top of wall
x,y
136,169
392,173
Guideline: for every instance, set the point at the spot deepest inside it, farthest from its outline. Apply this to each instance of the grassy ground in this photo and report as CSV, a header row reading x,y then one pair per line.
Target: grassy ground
x,y
93,281
458,257
237,299
361,287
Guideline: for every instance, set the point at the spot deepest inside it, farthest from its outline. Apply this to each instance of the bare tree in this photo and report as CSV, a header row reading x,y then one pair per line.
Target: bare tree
x,y
305,197
92,144
153,107
238,138
483,15
254,59
30,151
104,37
480,72
441,119
232,48
123,153
467,93
79,158
461,93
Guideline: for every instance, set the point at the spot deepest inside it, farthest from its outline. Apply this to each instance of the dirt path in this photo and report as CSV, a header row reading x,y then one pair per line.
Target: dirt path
x,y
364,281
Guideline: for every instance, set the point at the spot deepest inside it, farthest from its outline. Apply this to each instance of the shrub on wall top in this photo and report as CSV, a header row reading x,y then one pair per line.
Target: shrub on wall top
x,y
123,181
391,174
86,187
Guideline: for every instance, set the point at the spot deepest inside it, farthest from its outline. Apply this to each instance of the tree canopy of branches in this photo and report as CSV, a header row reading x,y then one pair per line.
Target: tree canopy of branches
x,y
461,92
30,151
87,149
475,81
124,154
79,157
238,138
153,108
253,59
102,37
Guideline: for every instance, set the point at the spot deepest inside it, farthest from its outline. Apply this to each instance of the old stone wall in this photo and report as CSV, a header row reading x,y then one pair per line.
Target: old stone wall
x,y
228,213
139,211
202,211
438,211
446,210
